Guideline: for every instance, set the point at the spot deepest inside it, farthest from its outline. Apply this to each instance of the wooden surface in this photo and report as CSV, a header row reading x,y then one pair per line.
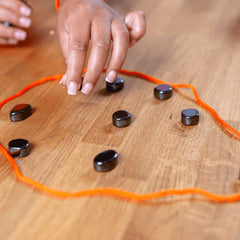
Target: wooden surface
x,y
187,41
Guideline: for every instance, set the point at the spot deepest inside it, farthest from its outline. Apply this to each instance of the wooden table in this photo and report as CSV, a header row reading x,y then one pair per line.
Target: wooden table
x,y
187,41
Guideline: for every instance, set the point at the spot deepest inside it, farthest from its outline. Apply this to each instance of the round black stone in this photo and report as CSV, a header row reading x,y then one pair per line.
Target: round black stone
x,y
19,148
116,85
21,112
163,91
121,118
190,117
105,161
7,24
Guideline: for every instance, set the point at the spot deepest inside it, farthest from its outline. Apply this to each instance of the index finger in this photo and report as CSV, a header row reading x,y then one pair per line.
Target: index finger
x,y
77,51
120,36
101,43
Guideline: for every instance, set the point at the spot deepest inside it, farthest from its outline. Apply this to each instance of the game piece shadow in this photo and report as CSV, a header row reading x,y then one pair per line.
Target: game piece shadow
x,y
103,92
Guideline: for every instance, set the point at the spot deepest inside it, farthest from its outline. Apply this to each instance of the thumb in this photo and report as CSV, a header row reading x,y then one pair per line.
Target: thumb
x,y
136,24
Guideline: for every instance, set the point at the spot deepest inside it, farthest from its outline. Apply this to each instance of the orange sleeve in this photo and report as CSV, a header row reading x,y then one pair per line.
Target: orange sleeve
x,y
57,4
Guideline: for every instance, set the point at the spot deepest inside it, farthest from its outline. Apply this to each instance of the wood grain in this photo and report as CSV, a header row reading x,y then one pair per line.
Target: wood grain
x,y
187,41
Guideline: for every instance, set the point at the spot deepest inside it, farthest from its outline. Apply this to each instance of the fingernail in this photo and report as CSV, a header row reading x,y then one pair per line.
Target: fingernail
x,y
87,88
25,22
20,35
111,76
62,80
72,88
13,41
25,11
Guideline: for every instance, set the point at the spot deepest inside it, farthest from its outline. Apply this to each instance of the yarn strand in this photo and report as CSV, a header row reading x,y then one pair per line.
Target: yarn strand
x,y
114,192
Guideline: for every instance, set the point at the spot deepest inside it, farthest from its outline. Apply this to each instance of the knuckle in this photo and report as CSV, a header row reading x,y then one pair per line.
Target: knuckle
x,y
79,46
103,44
124,33
123,29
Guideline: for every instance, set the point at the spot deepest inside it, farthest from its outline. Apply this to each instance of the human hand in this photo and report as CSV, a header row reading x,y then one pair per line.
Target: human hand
x,y
78,21
14,15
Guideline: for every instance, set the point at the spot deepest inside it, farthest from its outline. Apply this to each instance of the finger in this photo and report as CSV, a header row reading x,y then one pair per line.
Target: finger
x,y
12,33
101,43
136,24
4,41
7,15
77,51
27,3
64,43
12,41
19,7
120,37
62,35
63,81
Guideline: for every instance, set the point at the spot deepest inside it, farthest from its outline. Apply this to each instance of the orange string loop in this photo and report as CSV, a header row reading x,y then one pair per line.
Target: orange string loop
x,y
118,192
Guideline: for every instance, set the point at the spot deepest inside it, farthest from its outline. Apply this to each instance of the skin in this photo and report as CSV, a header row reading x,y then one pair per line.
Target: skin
x,y
18,14
78,22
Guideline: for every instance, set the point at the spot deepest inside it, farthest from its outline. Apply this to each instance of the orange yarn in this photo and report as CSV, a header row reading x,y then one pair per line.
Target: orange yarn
x,y
57,4
118,192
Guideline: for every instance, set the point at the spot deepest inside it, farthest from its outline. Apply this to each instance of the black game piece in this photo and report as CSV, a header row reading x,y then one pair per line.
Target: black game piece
x,y
105,161
81,85
19,148
121,118
163,91
116,86
7,24
21,112
190,117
